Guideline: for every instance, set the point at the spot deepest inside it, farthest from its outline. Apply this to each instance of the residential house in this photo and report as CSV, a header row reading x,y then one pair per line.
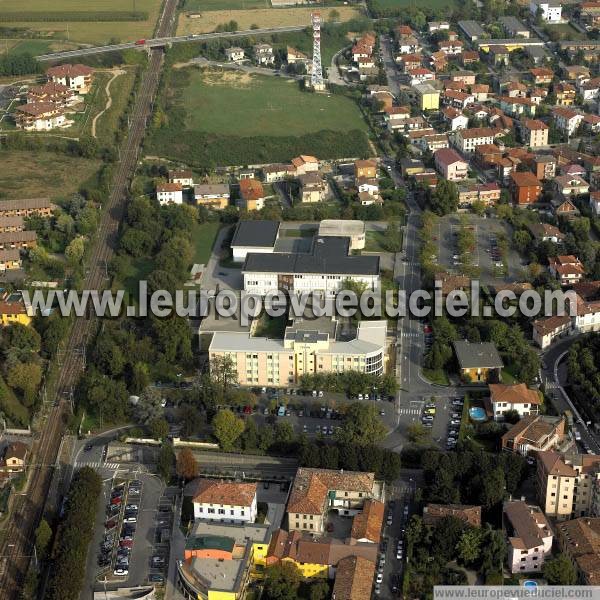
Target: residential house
x,y
438,61
564,207
316,491
214,195
516,397
434,26
498,54
535,433
408,62
14,459
514,89
457,99
420,75
513,27
76,77
544,232
367,524
567,484
568,269
365,168
465,77
545,331
529,537
277,172
591,123
26,207
576,72
40,116
549,10
589,89
60,95
478,361
433,142
542,75
169,193
579,539
305,164
182,177
11,224
366,198
428,96
411,166
467,513
408,45
252,194
466,140
225,501
235,54
18,239
353,578
486,193
525,187
370,185
468,57
313,187
480,91
455,118
13,309
534,133
571,185
565,94
595,203
10,259
515,107
450,164
544,166
450,47
263,54
394,116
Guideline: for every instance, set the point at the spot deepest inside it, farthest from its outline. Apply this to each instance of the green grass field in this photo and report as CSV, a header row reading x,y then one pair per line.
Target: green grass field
x,y
30,174
82,31
400,4
203,236
262,105
200,5
566,31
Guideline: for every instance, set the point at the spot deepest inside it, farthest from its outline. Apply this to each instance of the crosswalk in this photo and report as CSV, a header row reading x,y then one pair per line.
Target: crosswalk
x,y
410,411
99,465
411,334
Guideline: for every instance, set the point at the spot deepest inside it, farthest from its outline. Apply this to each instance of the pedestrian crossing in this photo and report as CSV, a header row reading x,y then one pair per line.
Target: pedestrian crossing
x,y
410,334
99,465
410,411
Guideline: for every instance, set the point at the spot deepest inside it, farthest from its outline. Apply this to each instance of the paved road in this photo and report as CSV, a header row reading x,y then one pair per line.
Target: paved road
x,y
389,64
161,42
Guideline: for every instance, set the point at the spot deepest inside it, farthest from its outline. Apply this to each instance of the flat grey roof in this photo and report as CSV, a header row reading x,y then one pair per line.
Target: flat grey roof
x,y
511,41
240,532
471,28
329,255
512,23
341,227
477,355
255,233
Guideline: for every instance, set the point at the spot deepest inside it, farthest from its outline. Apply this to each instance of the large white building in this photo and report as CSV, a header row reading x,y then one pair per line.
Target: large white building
x,y
225,501
466,140
551,10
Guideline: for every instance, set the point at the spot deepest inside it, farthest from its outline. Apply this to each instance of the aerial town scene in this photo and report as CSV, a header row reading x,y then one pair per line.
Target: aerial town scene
x,y
299,299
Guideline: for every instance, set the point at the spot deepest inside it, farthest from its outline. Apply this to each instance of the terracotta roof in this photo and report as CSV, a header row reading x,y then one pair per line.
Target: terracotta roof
x,y
353,579
367,524
37,109
554,464
525,178
518,393
251,189
533,429
447,156
452,282
69,71
169,187
477,132
581,540
309,492
534,124
213,491
546,326
529,524
49,88
468,513
365,164
9,237
303,159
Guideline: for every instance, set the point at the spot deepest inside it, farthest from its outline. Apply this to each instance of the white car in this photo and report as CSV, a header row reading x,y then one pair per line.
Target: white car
x,y
379,578
320,393
399,554
121,572
131,507
360,397
455,422
130,520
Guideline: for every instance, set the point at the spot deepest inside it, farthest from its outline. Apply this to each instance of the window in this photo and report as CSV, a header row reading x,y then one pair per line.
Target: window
x,y
211,511
243,513
311,526
232,512
221,511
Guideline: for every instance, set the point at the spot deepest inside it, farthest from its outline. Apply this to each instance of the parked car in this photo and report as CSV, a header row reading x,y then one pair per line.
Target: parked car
x,y
121,572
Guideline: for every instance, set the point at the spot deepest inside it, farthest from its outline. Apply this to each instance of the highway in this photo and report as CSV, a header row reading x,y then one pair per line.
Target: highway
x,y
161,42
27,510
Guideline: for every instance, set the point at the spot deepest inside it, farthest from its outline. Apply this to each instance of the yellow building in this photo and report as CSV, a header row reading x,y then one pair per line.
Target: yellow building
x,y
478,361
14,310
428,96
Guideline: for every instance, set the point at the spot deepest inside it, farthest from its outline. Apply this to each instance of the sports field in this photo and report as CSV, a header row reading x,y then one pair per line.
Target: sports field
x,y
233,103
263,18
92,32
31,174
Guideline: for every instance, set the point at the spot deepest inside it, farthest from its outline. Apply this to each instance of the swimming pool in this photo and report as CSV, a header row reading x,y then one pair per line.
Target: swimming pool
x,y
477,413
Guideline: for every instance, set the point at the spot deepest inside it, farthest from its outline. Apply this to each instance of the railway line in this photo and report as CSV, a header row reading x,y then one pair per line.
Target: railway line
x,y
17,548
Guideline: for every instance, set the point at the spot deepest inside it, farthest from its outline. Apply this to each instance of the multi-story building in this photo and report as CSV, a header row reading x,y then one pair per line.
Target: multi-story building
x,y
525,187
214,195
10,259
579,539
317,491
517,397
568,269
529,537
545,331
18,239
40,116
26,207
535,133
252,194
263,54
567,484
466,140
313,188
534,433
59,94
169,193
428,96
225,501
450,164
478,361
549,10
76,77
567,120
308,347
182,176
324,269
235,54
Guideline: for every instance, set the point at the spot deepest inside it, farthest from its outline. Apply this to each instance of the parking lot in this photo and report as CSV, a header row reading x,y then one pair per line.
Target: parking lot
x,y
485,254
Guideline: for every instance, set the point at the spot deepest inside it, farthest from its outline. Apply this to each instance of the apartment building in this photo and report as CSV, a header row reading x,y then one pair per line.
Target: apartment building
x,y
76,77
26,207
549,10
325,268
40,116
466,140
169,193
450,164
59,94
579,539
534,133
225,501
525,187
529,537
310,346
316,491
567,484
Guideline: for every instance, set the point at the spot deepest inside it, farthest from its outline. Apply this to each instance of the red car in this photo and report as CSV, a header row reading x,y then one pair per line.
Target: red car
x,y
116,500
126,543
247,410
140,42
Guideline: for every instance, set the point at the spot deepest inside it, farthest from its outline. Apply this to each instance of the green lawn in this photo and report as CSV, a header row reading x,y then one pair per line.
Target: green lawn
x,y
199,5
374,241
271,327
137,269
387,5
436,376
262,105
203,237
566,31
33,47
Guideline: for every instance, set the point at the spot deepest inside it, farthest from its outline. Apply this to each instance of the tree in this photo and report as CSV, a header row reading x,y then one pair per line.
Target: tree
x,y
469,546
417,433
25,377
512,416
164,464
362,425
334,15
159,429
444,199
393,237
43,535
559,571
148,408
282,582
223,374
227,429
187,466
75,250
319,590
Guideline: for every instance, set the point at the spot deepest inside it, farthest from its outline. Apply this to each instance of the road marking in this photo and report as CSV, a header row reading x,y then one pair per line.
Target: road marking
x,y
98,465
410,411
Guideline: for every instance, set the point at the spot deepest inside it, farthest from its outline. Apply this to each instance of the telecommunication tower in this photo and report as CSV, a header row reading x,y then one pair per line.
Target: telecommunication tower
x,y
316,76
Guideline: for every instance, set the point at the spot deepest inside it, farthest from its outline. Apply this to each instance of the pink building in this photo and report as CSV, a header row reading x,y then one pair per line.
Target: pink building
x,y
450,165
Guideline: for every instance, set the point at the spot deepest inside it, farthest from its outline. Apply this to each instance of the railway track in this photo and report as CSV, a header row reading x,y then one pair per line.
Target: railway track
x,y
27,509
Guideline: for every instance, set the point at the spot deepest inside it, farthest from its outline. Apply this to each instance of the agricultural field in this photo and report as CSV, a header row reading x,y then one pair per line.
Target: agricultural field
x,y
260,105
205,5
396,5
257,124
82,31
30,174
263,18
36,46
